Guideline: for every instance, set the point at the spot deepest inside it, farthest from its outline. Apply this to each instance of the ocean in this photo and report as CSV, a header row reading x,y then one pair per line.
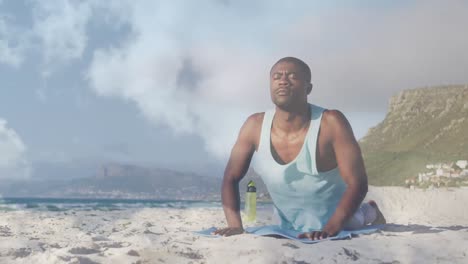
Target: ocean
x,y
85,204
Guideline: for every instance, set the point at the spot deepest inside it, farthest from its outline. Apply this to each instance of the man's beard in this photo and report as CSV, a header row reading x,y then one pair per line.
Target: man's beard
x,y
283,102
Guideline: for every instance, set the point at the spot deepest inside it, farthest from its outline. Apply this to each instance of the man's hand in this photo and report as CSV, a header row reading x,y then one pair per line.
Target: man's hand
x,y
229,231
317,235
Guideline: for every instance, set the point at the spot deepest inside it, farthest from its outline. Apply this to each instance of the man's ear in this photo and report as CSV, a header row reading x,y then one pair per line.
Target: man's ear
x,y
309,88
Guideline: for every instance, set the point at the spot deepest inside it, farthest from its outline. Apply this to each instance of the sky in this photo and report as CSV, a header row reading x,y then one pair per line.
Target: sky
x,y
169,83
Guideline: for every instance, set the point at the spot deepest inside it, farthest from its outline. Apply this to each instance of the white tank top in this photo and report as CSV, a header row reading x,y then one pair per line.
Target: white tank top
x,y
304,198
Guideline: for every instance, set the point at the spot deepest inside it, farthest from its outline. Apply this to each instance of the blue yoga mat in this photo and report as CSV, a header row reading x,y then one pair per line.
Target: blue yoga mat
x,y
292,234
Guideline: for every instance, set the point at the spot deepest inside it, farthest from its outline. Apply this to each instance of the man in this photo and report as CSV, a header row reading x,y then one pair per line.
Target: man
x,y
308,158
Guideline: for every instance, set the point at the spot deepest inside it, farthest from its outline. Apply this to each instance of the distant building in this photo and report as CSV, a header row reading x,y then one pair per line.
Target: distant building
x,y
447,166
422,177
442,174
462,164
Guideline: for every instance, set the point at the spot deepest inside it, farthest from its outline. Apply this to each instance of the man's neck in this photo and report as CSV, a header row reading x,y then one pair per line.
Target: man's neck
x,y
293,119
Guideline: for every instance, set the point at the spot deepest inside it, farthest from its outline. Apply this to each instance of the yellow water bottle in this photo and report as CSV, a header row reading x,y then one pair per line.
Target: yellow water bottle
x,y
251,202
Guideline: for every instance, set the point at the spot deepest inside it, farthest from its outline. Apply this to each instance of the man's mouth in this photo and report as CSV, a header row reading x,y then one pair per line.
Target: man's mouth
x,y
282,92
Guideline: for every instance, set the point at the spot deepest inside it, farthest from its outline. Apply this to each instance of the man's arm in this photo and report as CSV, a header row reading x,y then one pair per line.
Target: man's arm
x,y
238,164
351,166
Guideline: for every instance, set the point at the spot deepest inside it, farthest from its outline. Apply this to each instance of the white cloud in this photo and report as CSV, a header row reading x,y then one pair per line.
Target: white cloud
x,y
58,32
13,161
225,82
60,26
358,58
193,66
11,43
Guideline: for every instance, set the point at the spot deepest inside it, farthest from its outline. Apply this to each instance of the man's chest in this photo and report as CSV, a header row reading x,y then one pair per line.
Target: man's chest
x,y
285,150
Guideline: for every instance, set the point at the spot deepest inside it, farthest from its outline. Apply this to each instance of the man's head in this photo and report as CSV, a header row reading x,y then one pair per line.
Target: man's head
x,y
290,82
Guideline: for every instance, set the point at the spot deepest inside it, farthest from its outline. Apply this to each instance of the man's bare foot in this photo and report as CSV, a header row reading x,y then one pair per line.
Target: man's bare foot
x,y
380,218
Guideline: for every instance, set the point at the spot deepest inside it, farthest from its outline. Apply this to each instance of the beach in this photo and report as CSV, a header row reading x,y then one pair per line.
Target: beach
x,y
425,226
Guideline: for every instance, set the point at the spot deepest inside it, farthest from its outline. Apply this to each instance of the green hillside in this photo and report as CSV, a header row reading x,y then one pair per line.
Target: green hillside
x,y
422,126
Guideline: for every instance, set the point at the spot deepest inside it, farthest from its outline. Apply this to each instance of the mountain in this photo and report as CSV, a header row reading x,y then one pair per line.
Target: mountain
x,y
125,180
422,126
59,170
114,180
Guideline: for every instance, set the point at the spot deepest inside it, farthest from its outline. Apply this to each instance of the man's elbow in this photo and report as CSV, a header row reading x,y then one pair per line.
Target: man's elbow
x,y
229,185
364,189
230,180
360,187
230,193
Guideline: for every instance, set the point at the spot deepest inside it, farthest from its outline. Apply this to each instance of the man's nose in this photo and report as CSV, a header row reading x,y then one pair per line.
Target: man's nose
x,y
284,80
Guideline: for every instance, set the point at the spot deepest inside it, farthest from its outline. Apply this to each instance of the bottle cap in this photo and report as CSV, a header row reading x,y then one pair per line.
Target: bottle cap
x,y
251,187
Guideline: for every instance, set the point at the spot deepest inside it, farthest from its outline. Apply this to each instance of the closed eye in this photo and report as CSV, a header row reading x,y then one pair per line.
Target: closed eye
x,y
293,76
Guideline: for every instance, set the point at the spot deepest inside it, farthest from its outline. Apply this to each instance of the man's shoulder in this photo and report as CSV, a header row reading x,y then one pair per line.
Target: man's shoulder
x,y
333,116
250,131
253,123
335,123
255,119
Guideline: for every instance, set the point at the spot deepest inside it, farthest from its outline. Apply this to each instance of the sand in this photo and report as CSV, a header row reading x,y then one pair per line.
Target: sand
x,y
426,227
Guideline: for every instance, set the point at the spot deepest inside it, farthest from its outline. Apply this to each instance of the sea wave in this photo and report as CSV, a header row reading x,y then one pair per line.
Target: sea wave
x,y
58,204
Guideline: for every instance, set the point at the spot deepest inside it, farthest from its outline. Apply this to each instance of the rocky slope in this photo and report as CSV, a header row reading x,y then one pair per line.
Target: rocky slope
x,y
422,126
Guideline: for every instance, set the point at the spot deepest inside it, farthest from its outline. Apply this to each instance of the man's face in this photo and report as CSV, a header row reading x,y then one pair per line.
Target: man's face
x,y
288,85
